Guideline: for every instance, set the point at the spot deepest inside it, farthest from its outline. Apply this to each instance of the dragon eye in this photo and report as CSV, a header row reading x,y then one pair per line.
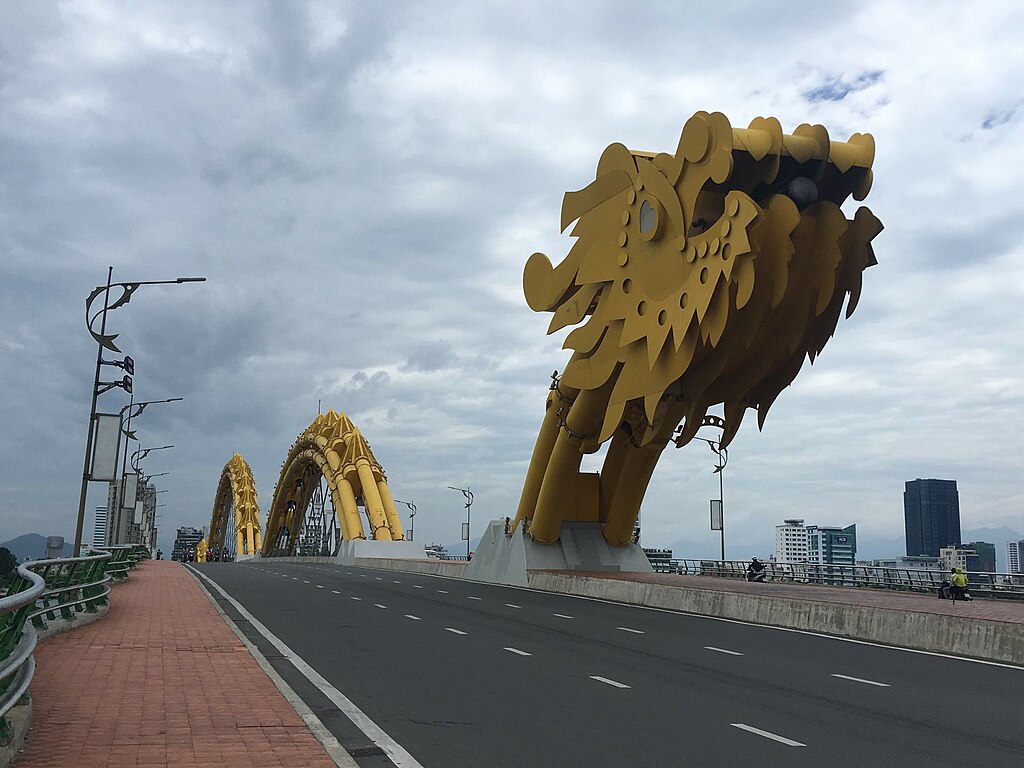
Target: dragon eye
x,y
650,219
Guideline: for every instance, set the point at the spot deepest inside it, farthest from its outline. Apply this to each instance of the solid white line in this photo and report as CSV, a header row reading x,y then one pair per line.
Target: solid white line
x,y
518,652
410,616
561,615
634,631
609,682
513,605
862,680
470,597
456,631
767,735
395,752
378,605
335,591
723,650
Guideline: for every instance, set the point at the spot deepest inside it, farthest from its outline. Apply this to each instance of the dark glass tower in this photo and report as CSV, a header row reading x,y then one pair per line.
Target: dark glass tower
x,y
931,511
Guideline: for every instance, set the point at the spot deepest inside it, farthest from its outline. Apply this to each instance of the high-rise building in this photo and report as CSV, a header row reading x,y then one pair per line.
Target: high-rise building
x,y
185,543
99,531
931,511
829,545
791,542
986,555
1015,556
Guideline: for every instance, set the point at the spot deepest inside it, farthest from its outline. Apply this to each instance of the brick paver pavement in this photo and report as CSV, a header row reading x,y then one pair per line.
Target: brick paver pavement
x,y
922,602
161,680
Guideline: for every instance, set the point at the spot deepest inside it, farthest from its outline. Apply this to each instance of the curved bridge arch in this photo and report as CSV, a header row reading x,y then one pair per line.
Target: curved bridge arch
x,y
334,449
236,493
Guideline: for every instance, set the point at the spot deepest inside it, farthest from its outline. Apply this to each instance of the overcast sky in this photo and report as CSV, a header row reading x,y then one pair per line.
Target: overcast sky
x,y
362,183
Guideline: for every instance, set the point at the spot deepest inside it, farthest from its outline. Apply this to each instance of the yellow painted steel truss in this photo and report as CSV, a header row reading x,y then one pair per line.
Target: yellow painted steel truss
x,y
337,450
702,277
235,491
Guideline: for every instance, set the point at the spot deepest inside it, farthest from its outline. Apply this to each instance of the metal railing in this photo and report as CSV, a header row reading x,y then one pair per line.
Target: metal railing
x,y
43,591
983,584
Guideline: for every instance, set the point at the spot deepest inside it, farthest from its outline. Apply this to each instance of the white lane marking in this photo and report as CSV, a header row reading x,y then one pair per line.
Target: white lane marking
x,y
518,652
629,629
362,575
335,591
410,616
767,735
454,631
354,598
417,586
862,680
394,581
319,586
470,597
561,615
443,591
606,681
378,578
349,572
513,605
723,650
305,582
395,752
378,605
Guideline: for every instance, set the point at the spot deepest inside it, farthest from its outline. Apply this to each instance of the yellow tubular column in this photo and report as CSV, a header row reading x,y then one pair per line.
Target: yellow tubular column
x,y
347,508
374,506
539,461
238,543
394,522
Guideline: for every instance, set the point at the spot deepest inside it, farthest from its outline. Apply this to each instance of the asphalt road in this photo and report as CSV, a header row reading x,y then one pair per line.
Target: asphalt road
x,y
466,674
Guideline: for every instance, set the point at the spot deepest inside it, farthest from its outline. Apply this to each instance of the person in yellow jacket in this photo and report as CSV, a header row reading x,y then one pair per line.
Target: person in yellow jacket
x,y
958,586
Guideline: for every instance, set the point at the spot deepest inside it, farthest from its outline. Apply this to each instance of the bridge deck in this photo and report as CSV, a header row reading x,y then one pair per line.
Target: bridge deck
x,y
160,681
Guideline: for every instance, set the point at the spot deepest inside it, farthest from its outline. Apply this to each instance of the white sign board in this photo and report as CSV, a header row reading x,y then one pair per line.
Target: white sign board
x,y
717,523
138,512
465,531
105,443
130,490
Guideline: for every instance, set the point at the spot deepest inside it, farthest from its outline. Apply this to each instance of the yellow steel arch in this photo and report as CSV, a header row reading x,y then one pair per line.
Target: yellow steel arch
x,y
697,278
334,448
236,490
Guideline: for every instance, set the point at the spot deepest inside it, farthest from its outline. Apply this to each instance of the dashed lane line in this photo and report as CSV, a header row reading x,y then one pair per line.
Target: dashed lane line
x,y
414,618
561,615
319,586
378,605
518,652
630,629
443,591
417,586
454,631
471,597
606,681
352,597
862,680
723,650
768,735
336,592
513,605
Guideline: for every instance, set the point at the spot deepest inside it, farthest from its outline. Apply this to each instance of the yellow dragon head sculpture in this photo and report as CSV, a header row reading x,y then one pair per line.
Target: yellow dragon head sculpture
x,y
708,275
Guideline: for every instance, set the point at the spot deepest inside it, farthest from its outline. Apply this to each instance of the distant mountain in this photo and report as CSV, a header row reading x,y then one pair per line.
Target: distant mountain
x,y
32,546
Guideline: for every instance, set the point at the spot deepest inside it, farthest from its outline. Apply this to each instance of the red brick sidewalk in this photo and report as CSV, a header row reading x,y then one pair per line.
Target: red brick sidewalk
x,y
161,680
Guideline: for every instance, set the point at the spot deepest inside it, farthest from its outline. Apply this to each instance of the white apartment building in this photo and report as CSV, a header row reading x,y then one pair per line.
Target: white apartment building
x,y
1014,556
99,531
791,542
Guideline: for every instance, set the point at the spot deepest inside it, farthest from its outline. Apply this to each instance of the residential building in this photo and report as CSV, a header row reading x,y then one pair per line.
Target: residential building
x,y
960,556
791,542
1015,556
931,511
99,531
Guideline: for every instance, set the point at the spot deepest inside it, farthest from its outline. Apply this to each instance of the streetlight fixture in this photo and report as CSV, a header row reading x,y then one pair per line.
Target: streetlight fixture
x,y
142,453
469,509
717,520
412,516
106,341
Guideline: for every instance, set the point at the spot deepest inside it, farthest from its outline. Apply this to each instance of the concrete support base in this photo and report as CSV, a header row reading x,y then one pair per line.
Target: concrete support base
x,y
503,559
365,548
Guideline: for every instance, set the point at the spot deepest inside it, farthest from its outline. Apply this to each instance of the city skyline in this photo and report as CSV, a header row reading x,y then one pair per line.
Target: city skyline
x,y
363,186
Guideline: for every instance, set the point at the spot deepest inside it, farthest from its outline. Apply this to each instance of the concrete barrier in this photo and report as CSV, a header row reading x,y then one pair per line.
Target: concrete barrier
x,y
451,568
962,636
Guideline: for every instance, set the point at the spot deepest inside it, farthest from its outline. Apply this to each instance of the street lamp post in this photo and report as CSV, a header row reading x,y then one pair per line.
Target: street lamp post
x,y
469,510
119,532
412,516
106,341
723,458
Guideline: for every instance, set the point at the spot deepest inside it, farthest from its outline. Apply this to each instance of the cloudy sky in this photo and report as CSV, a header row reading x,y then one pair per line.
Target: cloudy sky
x,y
362,183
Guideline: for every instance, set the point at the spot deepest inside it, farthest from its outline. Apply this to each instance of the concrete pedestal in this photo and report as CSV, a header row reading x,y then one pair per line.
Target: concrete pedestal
x,y
364,548
504,559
